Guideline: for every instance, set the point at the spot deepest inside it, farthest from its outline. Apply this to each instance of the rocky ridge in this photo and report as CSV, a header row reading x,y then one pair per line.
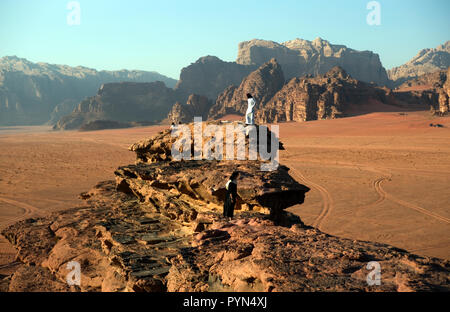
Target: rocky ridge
x,y
209,76
34,93
300,57
123,102
263,83
425,62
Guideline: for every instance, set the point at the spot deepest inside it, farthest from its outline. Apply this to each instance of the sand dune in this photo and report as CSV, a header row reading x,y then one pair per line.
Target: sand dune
x,y
381,177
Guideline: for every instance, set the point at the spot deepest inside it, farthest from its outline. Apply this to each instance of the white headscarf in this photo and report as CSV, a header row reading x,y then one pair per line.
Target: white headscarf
x,y
228,183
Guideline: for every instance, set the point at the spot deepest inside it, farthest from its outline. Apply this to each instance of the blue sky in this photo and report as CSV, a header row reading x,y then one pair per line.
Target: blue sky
x,y
167,35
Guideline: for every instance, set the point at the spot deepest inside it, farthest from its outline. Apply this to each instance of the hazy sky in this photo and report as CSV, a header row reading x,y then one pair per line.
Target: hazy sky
x,y
167,35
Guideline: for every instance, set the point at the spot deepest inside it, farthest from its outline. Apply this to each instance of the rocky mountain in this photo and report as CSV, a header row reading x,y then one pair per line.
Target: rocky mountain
x,y
428,81
333,95
34,93
436,85
123,102
302,57
315,98
426,61
196,106
158,227
209,76
263,83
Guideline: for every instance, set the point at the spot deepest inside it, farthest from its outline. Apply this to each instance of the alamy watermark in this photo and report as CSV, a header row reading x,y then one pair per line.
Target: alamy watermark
x,y
208,143
374,277
74,275
374,16
74,16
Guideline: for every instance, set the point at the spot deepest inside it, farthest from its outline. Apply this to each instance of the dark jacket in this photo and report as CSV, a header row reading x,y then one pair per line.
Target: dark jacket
x,y
230,199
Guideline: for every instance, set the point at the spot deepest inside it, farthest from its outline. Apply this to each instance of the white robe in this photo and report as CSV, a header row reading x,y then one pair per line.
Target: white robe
x,y
249,115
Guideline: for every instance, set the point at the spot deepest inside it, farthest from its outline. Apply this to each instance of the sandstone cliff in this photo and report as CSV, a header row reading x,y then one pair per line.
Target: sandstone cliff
x,y
34,93
263,83
209,76
123,102
158,228
314,98
435,86
301,57
426,61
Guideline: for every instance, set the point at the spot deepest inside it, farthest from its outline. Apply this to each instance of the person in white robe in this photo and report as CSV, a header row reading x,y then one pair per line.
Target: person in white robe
x,y
250,114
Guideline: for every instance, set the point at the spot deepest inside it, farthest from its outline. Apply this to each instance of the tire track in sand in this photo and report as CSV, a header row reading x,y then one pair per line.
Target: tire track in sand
x,y
29,210
327,200
377,185
412,206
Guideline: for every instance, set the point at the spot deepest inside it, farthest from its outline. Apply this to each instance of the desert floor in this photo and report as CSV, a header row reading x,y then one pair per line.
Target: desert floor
x,y
380,177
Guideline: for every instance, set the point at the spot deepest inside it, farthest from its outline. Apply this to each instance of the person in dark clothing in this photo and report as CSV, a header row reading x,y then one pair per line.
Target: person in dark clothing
x,y
231,196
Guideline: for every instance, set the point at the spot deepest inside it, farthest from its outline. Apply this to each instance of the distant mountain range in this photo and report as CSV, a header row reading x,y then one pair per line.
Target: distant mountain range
x,y
34,93
425,62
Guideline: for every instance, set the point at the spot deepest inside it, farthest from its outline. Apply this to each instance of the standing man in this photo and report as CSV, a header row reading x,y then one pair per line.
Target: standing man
x,y
231,196
249,115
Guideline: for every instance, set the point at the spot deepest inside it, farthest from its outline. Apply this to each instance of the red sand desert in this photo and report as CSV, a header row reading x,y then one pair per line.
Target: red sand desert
x,y
380,177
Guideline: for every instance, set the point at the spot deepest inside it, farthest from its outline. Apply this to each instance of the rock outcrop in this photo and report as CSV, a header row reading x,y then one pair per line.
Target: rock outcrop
x,y
434,86
196,106
316,98
426,61
209,76
444,96
34,93
302,57
158,227
123,102
263,83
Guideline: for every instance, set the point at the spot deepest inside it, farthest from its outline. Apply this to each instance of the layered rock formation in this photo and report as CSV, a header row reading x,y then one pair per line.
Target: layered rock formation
x,y
315,98
209,76
33,93
123,102
434,86
158,228
263,83
301,57
196,106
434,80
426,61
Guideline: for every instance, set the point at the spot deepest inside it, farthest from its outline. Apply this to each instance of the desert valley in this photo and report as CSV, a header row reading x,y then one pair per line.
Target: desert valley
x,y
364,176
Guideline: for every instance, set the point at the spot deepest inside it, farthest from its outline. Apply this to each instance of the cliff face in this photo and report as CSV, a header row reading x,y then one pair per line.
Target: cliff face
x,y
434,85
158,227
301,57
123,102
315,98
34,93
444,96
426,61
263,83
209,76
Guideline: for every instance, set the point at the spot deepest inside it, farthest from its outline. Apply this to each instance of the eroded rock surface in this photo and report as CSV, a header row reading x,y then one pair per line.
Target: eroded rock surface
x,y
158,227
256,255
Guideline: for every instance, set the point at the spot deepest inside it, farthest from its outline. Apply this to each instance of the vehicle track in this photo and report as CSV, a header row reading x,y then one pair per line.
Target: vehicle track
x,y
327,200
377,185
28,209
